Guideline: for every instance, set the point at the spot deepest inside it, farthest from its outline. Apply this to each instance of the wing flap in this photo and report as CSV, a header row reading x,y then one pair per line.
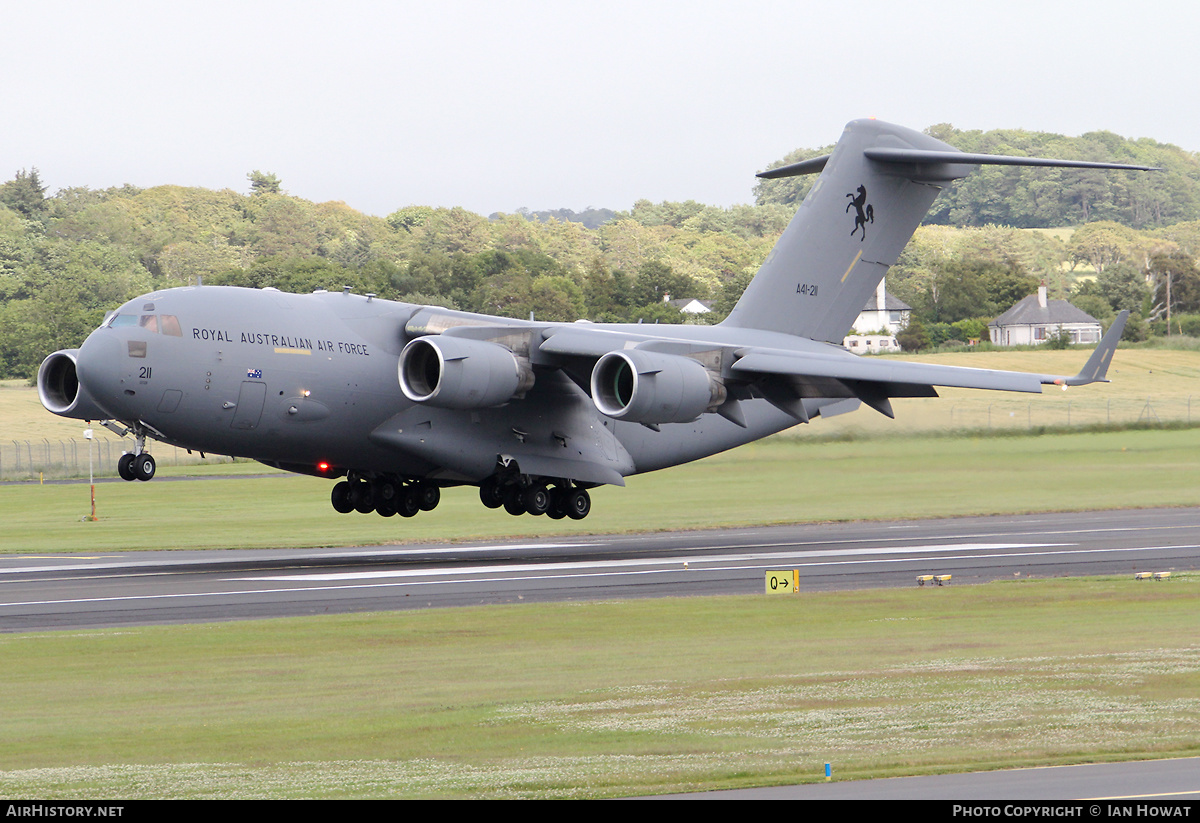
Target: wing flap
x,y
852,367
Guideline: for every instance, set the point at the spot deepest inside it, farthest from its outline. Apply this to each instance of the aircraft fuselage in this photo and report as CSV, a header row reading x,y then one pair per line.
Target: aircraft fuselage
x,y
306,381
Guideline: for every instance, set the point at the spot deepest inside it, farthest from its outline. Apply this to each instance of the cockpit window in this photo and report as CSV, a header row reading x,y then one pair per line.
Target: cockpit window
x,y
155,323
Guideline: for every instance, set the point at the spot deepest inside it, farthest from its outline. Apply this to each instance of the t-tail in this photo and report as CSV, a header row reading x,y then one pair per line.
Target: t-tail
x,y
873,192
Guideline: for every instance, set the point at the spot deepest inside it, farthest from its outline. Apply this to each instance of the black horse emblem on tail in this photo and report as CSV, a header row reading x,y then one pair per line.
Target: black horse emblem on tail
x,y
862,215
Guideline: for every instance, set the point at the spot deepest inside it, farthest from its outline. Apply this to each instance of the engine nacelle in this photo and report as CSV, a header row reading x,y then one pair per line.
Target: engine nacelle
x,y
60,391
459,373
649,387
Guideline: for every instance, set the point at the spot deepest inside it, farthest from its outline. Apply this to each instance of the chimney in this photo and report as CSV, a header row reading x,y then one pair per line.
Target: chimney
x,y
1042,294
880,299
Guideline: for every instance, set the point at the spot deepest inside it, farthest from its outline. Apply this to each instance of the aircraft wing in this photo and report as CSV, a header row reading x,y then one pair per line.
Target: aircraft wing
x,y
884,372
875,379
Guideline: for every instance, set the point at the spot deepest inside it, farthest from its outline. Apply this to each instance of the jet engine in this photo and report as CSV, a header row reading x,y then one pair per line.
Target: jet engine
x,y
649,387
459,373
60,391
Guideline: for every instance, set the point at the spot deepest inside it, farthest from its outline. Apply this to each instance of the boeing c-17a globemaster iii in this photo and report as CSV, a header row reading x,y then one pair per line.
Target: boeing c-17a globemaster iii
x,y
397,402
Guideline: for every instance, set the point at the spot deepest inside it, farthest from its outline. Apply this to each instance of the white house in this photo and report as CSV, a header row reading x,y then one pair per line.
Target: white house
x,y
1035,319
690,305
876,326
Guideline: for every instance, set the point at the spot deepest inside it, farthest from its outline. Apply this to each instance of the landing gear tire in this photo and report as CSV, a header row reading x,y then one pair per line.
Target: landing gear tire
x,y
143,467
386,496
340,497
362,497
513,504
429,496
125,467
536,500
386,508
579,504
491,493
558,504
409,502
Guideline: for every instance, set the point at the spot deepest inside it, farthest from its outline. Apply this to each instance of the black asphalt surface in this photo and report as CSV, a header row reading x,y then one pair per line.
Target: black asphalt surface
x,y
74,591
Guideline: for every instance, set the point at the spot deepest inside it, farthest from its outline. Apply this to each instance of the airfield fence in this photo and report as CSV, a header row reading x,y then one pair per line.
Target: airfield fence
x,y
965,412
61,459
1058,410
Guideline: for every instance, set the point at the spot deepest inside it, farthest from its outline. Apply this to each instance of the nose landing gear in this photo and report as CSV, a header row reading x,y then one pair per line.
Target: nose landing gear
x,y
138,465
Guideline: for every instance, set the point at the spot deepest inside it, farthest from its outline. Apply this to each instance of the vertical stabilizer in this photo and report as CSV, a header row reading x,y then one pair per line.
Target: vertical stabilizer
x,y
849,230
873,192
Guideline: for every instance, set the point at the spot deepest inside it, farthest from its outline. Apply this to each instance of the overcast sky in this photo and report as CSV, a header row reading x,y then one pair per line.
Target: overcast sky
x,y
497,105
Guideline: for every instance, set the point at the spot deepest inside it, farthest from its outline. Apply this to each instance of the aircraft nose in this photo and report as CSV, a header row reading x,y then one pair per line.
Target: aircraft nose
x,y
101,365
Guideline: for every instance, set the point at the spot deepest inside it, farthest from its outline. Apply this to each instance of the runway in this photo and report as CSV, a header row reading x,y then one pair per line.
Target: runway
x,y
1098,790
139,588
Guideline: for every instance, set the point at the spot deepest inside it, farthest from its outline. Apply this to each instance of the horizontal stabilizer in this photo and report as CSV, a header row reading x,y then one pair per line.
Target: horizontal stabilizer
x,y
924,157
891,155
811,166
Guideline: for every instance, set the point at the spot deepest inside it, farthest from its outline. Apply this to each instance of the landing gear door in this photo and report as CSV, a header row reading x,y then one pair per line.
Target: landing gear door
x,y
249,405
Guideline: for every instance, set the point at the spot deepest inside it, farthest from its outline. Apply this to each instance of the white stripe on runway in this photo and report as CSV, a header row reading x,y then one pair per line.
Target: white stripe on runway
x,y
692,561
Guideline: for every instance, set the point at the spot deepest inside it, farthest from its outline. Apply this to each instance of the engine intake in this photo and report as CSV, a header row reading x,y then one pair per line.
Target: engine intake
x,y
459,373
649,387
60,391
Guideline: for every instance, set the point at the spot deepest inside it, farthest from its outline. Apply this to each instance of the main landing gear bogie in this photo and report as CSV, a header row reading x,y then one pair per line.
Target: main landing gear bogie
x,y
385,497
517,495
536,497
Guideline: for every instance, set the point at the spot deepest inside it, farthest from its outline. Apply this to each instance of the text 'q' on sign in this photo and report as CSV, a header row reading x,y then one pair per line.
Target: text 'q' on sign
x,y
783,582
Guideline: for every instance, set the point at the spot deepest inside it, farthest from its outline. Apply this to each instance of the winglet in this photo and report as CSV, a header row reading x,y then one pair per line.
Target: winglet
x,y
1095,369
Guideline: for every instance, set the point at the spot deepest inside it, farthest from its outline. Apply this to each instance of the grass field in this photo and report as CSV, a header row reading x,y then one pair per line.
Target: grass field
x,y
1149,385
778,480
607,699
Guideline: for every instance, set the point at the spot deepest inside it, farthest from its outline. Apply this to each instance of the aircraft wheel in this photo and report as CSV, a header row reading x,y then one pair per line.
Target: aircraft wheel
x,y
143,467
409,502
385,493
579,504
558,503
429,496
491,493
536,500
387,498
125,467
341,498
513,502
362,497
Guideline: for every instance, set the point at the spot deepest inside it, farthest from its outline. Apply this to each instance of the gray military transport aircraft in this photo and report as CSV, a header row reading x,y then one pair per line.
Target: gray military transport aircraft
x,y
398,401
